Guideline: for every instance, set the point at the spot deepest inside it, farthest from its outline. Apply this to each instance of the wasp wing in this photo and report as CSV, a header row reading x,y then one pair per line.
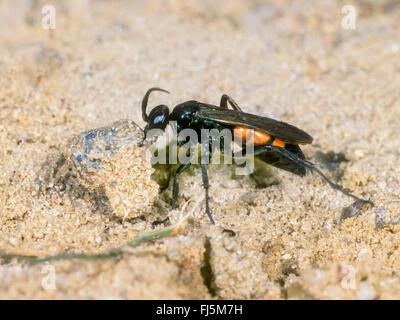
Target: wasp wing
x,y
278,129
278,160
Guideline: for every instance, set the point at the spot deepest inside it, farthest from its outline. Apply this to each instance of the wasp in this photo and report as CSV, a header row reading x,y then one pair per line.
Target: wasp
x,y
275,143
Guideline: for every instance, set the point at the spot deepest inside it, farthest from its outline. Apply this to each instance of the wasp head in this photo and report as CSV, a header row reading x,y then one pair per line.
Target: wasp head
x,y
158,117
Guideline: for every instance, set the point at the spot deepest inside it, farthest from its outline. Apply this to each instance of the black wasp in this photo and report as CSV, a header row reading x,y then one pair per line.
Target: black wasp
x,y
275,142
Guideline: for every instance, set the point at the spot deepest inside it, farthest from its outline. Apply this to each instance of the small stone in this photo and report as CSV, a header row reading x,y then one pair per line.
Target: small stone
x,y
364,254
306,227
366,291
352,210
359,154
14,242
109,163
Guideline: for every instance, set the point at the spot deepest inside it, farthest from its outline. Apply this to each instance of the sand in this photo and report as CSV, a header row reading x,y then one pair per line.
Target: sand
x,y
289,60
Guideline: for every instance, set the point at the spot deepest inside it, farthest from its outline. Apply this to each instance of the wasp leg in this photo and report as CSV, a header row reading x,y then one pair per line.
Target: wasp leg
x,y
311,166
158,222
206,186
224,103
175,191
175,187
230,232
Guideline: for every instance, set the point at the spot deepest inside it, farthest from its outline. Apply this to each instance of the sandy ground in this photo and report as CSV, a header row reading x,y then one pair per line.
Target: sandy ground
x,y
289,60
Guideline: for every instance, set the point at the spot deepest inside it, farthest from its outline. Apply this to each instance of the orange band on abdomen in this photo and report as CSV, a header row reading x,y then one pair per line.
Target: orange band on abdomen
x,y
260,138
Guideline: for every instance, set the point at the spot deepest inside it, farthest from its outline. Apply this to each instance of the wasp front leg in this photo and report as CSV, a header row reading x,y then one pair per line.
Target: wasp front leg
x,y
175,186
206,186
175,192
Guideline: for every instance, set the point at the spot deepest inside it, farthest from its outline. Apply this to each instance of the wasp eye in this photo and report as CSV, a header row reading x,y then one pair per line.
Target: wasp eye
x,y
159,119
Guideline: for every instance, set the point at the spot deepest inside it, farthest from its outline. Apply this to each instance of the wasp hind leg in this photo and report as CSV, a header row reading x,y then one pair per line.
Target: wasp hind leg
x,y
311,166
224,103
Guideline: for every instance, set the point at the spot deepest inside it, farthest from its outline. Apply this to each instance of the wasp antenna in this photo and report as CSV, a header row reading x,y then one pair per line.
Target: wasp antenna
x,y
146,98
